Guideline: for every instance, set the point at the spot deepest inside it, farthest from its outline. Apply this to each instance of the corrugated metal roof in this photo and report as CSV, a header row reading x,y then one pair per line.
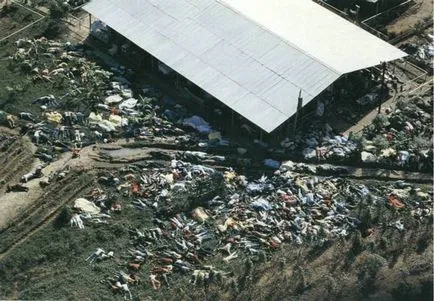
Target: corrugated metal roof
x,y
254,56
339,44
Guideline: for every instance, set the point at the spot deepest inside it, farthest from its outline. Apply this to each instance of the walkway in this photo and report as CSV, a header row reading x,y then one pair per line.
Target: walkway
x,y
367,120
390,103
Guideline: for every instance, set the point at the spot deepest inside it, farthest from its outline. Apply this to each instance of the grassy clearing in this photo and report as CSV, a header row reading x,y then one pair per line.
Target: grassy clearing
x,y
54,260
16,88
8,78
51,264
13,18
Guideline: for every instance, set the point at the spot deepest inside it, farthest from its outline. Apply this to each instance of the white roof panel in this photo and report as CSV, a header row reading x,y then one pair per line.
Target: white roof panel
x,y
249,105
322,34
253,55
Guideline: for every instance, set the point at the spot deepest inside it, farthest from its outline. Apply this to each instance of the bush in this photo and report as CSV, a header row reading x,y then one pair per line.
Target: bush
x,y
200,191
380,122
420,143
7,9
405,291
367,272
64,217
401,103
54,29
359,139
358,245
58,9
380,142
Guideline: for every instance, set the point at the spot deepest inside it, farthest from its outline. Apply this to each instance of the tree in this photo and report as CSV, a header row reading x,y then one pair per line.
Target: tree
x,y
54,29
380,122
420,143
419,29
367,272
58,9
64,216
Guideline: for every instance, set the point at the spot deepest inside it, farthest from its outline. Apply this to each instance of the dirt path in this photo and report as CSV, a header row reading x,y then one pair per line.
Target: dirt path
x,y
423,10
20,220
12,204
78,26
43,212
368,118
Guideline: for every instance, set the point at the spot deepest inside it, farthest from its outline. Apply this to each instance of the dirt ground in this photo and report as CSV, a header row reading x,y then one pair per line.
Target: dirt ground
x,y
417,40
79,26
11,204
421,12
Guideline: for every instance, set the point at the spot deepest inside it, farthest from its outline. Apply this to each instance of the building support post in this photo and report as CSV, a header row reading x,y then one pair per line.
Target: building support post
x,y
232,118
299,106
332,93
382,92
357,13
90,21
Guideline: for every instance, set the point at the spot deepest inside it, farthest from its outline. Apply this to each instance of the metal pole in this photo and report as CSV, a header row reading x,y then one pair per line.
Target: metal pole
x,y
357,13
382,92
299,106
90,21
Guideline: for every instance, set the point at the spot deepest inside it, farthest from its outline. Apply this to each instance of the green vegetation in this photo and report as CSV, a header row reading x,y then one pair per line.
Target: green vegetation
x,y
51,264
380,142
17,89
13,18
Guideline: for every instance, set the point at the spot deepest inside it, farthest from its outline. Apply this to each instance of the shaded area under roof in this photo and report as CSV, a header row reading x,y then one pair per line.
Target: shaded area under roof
x,y
254,56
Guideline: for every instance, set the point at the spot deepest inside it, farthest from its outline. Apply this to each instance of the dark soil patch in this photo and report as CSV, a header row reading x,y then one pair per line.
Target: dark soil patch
x,y
13,18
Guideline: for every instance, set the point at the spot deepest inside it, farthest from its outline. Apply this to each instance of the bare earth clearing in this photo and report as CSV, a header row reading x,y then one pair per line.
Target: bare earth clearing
x,y
421,12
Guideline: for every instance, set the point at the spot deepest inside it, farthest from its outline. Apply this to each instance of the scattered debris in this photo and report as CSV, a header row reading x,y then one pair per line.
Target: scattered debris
x,y
99,255
245,218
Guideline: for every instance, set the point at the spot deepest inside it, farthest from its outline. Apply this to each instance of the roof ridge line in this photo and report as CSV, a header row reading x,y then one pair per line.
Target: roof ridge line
x,y
249,92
